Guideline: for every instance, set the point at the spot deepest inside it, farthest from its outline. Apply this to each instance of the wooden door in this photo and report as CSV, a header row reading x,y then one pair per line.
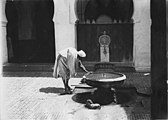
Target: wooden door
x,y
120,48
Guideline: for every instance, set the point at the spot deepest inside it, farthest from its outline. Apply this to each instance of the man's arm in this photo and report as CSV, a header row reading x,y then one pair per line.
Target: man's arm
x,y
82,66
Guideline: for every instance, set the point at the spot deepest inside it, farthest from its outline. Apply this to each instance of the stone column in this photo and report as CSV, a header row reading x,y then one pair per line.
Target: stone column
x,y
142,35
3,44
158,61
167,36
3,59
167,30
64,22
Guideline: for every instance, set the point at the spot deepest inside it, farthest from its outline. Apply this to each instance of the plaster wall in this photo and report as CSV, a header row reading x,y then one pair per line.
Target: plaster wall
x,y
167,33
3,58
64,20
142,35
65,36
3,42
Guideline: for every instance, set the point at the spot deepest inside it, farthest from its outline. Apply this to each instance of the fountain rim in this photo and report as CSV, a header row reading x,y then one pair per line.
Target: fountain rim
x,y
123,77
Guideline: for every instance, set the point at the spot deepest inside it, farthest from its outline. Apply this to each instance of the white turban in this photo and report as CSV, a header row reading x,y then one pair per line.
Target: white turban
x,y
81,53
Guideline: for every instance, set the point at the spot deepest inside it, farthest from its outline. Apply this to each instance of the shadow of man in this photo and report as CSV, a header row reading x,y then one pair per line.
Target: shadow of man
x,y
52,90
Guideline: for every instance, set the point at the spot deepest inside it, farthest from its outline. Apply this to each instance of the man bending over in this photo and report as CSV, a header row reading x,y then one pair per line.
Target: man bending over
x,y
66,64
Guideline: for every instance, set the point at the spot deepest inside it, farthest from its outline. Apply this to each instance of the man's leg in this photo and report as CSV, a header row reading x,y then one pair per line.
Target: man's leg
x,y
67,85
67,88
64,81
67,80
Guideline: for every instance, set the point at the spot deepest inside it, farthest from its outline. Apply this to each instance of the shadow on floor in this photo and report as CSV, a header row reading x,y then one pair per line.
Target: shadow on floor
x,y
52,90
124,97
136,107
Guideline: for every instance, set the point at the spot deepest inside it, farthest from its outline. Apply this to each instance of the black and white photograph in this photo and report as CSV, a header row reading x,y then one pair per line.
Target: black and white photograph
x,y
83,59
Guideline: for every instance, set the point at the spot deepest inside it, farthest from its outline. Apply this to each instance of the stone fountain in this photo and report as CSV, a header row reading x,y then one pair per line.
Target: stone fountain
x,y
104,78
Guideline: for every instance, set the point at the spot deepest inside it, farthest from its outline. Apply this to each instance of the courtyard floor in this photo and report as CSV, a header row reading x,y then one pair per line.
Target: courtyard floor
x,y
36,96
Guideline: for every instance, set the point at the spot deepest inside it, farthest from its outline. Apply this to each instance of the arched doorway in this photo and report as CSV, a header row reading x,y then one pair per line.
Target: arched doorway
x,y
112,16
30,31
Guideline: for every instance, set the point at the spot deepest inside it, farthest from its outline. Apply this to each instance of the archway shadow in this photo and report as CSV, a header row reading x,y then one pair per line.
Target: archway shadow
x,y
52,90
124,97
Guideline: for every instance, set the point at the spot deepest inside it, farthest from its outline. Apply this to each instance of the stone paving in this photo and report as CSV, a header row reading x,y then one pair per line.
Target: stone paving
x,y
37,98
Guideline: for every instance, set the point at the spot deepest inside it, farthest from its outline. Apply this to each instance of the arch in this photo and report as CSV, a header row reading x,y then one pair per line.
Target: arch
x,y
117,10
79,9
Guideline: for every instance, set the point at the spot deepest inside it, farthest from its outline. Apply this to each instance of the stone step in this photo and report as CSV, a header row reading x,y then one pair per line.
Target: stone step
x,y
118,66
48,67
28,67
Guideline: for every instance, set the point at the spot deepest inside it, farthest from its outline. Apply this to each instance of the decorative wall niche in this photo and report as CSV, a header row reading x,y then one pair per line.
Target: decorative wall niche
x,y
104,11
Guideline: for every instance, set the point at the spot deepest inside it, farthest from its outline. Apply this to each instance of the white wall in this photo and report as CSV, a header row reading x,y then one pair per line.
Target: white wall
x,y
64,20
3,59
142,35
65,34
167,33
3,43
65,30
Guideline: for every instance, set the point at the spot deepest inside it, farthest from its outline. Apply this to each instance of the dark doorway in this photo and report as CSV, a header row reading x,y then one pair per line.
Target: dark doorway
x,y
30,31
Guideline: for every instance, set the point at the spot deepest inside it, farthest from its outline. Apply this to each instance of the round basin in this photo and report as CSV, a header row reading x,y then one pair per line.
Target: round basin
x,y
105,80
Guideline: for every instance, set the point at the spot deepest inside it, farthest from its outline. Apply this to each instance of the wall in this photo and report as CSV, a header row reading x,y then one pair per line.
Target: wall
x,y
64,20
167,26
142,33
167,34
3,59
65,34
65,30
3,42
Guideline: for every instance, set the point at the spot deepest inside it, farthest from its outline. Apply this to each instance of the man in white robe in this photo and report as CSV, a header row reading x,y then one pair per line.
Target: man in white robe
x,y
66,64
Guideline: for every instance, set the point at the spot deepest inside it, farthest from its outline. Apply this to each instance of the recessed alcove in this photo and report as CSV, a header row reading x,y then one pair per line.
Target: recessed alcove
x,y
30,31
114,17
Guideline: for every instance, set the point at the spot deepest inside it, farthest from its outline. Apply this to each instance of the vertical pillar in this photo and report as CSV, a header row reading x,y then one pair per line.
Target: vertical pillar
x,y
3,44
3,58
167,34
142,37
64,22
158,60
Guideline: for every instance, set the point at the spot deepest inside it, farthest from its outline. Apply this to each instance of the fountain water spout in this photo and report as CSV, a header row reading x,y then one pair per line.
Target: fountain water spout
x,y
104,41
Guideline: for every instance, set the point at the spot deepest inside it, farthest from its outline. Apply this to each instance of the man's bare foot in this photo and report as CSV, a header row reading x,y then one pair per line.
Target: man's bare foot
x,y
69,88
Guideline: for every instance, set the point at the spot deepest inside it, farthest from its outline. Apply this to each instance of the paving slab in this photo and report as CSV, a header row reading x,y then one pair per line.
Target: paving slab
x,y
38,98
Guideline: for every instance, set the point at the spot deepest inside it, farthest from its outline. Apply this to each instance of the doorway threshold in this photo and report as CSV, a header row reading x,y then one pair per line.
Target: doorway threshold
x,y
28,67
48,67
118,66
